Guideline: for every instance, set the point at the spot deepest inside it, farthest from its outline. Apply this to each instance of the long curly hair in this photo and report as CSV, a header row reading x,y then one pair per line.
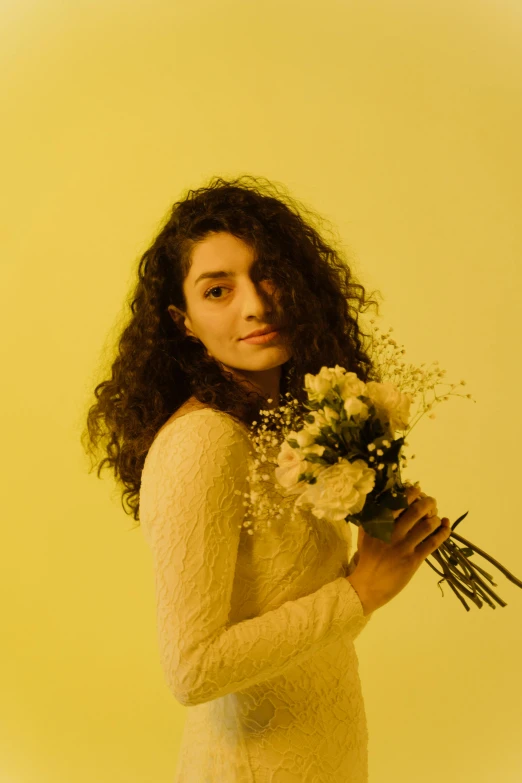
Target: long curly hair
x,y
156,367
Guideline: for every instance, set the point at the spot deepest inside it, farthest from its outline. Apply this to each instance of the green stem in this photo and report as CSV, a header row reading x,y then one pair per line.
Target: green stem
x,y
492,560
454,570
449,581
478,581
469,577
458,580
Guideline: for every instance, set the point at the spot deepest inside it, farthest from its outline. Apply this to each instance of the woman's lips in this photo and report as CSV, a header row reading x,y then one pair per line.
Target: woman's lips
x,y
261,338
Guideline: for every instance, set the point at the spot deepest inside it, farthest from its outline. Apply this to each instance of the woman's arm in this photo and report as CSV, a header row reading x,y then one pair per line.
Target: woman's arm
x,y
192,515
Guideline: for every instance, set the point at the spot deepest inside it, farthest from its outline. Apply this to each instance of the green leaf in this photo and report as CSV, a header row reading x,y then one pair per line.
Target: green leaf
x,y
392,454
308,477
381,526
459,520
377,521
313,405
314,458
394,503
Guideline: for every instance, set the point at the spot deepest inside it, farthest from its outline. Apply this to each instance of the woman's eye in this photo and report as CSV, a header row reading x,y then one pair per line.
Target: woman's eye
x,y
215,288
221,288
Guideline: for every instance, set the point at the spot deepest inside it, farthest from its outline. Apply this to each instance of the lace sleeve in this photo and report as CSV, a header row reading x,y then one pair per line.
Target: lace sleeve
x,y
192,517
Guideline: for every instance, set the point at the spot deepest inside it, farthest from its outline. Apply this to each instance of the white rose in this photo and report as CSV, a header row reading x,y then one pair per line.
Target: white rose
x,y
320,384
315,449
337,374
322,419
340,489
351,386
312,468
304,437
355,407
331,416
290,465
392,402
319,424
317,386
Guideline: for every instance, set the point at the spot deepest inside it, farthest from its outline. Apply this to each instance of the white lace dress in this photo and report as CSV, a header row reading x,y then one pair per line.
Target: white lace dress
x,y
256,631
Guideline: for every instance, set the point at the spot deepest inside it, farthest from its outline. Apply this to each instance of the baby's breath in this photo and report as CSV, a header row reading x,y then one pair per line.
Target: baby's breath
x,y
265,500
418,382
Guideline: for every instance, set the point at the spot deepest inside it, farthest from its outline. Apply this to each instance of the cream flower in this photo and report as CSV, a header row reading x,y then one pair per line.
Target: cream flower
x,y
351,386
331,416
393,403
320,423
318,385
289,478
340,490
326,379
290,465
337,374
355,407
304,437
315,449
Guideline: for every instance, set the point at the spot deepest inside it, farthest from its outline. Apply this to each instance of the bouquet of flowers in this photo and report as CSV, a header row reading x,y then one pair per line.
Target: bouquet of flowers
x,y
342,460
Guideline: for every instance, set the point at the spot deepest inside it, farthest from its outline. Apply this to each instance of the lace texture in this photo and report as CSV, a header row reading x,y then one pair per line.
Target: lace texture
x,y
256,629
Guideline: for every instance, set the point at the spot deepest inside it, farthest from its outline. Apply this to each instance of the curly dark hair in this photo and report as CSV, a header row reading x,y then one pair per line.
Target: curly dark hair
x,y
157,367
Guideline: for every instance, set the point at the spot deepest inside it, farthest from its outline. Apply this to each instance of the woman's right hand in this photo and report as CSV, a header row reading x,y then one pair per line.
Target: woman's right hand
x,y
384,569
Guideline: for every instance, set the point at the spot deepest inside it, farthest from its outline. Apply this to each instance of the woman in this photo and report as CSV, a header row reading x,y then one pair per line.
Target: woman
x,y
256,628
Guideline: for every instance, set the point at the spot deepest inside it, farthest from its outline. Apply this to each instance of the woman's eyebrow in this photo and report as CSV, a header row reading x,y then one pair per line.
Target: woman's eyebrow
x,y
213,275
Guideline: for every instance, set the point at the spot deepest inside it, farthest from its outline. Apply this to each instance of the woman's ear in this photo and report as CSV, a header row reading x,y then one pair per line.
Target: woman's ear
x,y
176,315
180,318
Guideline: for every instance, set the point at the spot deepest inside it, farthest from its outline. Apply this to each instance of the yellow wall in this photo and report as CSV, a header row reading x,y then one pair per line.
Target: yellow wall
x,y
401,123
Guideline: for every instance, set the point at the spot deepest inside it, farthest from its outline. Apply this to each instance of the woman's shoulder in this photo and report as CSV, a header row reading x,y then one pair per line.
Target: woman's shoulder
x,y
189,406
192,404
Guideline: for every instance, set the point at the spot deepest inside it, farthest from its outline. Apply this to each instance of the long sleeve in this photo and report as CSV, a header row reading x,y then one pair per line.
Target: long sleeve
x,y
192,518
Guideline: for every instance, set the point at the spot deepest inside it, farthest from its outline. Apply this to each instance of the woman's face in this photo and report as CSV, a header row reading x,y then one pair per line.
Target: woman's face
x,y
224,309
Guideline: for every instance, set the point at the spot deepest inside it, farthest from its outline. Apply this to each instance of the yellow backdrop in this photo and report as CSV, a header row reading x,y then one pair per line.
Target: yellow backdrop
x,y
400,122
